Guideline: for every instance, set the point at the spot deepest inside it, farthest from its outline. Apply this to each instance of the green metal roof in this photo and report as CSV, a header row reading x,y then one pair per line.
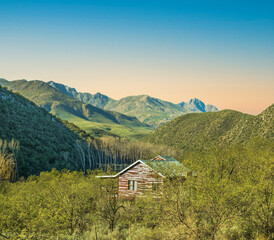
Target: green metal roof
x,y
168,168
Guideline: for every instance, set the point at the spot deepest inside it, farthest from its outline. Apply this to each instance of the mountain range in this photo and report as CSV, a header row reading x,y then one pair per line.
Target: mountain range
x,y
45,139
95,121
146,109
98,114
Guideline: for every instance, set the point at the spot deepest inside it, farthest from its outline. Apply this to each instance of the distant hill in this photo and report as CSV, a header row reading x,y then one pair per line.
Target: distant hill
x,y
224,127
152,111
43,139
92,119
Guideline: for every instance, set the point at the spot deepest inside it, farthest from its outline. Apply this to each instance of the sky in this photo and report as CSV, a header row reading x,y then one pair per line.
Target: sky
x,y
221,52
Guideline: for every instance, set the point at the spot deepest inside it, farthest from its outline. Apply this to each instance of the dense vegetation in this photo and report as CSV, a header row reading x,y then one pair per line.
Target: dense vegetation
x,y
85,116
147,109
201,130
42,138
230,198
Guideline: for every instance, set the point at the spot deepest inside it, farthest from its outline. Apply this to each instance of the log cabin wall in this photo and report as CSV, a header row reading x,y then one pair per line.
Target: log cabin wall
x,y
144,176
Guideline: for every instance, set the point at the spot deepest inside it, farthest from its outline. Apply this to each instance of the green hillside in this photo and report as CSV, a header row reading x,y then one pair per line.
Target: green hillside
x,y
198,130
149,110
85,116
152,111
43,138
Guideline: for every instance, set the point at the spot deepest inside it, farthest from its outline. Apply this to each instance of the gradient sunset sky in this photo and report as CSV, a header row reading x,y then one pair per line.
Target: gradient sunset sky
x,y
219,51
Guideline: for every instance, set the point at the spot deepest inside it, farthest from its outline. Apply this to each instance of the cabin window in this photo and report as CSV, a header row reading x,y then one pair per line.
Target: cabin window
x,y
132,185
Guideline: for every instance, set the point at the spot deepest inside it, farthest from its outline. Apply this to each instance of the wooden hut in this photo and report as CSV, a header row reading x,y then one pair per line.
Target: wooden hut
x,y
147,175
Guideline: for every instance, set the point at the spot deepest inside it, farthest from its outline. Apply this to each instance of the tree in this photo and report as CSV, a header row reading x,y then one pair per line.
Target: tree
x,y
109,206
8,160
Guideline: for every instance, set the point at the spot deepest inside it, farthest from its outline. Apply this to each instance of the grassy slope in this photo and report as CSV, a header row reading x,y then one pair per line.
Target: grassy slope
x,y
86,116
197,130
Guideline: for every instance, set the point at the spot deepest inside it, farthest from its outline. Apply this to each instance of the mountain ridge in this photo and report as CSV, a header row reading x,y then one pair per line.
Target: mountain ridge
x,y
224,127
97,100
147,109
84,115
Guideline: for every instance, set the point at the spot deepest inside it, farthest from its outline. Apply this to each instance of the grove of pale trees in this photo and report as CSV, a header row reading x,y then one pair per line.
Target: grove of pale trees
x,y
114,153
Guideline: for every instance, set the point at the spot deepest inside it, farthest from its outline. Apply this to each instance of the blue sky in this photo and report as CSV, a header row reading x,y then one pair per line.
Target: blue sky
x,y
219,51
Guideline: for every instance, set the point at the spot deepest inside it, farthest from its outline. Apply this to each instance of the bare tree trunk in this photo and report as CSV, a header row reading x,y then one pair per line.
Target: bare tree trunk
x,y
82,156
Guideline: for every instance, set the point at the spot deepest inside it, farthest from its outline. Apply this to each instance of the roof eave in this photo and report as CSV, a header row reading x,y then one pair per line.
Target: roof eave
x,y
106,176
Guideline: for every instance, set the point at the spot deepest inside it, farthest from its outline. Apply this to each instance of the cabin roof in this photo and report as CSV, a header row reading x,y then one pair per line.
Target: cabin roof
x,y
167,167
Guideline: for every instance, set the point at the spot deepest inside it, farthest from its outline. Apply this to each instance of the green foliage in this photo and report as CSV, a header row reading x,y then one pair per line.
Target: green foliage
x,y
43,138
230,191
108,209
81,133
201,131
230,197
51,204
